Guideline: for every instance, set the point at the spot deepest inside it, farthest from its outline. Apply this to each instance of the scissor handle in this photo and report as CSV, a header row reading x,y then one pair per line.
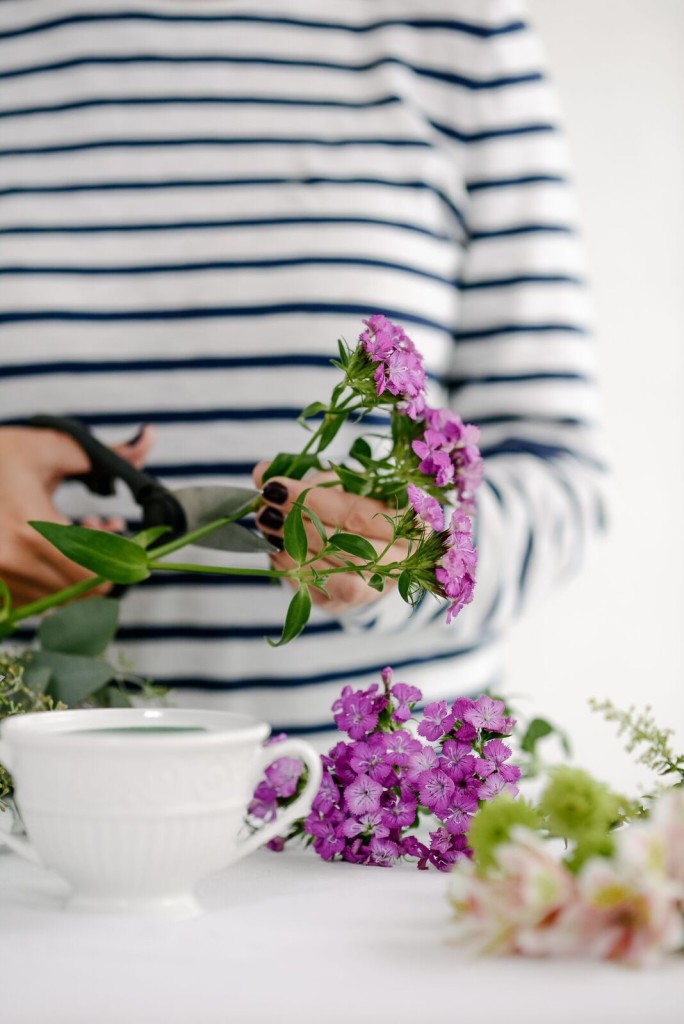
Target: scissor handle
x,y
158,504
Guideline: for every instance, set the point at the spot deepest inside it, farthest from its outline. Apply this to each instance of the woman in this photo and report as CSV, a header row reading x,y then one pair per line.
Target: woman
x,y
198,198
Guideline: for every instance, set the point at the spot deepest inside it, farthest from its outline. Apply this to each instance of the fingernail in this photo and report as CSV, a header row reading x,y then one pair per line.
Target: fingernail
x,y
275,540
271,518
275,492
134,440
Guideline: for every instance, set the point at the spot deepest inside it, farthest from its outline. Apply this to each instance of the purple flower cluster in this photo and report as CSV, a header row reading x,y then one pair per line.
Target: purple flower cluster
x,y
456,571
399,367
449,452
377,785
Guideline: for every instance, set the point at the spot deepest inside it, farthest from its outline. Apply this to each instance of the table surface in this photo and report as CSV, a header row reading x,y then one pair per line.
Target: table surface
x,y
285,938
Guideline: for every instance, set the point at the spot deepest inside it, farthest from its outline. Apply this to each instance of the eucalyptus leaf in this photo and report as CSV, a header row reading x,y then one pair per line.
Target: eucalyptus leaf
x,y
294,535
83,628
37,678
106,554
73,677
297,616
354,545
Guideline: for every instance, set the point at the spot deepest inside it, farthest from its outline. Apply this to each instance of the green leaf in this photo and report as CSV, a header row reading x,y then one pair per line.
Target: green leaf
x,y
360,449
536,730
310,514
331,427
292,465
86,627
377,582
353,482
354,545
6,599
404,586
344,354
297,616
73,677
147,537
106,554
294,535
312,410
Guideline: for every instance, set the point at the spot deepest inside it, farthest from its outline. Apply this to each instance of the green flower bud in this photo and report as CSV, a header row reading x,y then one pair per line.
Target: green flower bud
x,y
577,806
492,824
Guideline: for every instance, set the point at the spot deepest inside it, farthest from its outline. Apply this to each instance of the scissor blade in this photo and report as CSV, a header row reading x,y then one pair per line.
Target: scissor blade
x,y
202,505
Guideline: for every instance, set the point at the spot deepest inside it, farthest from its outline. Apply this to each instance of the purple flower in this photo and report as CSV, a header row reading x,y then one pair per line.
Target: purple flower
x,y
437,720
284,774
486,714
495,753
338,763
328,795
436,790
370,824
412,847
466,733
368,758
405,373
379,340
363,795
406,696
496,784
383,852
328,838
354,713
263,804
399,812
423,760
457,760
400,746
277,844
463,806
462,704
464,597
427,509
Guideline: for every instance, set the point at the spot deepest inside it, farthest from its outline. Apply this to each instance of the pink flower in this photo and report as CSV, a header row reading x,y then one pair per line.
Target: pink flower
x,y
437,720
406,696
498,914
284,774
363,795
427,509
488,714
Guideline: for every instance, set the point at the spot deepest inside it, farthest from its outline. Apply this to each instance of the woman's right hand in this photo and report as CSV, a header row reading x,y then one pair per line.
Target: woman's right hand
x,y
33,463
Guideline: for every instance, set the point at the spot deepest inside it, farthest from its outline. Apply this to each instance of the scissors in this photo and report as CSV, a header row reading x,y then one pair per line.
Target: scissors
x,y
183,510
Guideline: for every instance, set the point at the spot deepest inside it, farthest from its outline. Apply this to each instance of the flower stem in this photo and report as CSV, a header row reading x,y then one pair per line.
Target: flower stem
x,y
202,531
221,570
26,611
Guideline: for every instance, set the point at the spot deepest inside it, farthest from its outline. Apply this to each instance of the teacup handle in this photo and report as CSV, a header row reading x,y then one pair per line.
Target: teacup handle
x,y
20,846
300,807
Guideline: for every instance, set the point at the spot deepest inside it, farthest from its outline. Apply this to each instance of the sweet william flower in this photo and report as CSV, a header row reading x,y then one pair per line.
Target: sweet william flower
x,y
437,720
427,508
355,713
436,791
284,774
363,795
486,713
406,697
400,747
368,758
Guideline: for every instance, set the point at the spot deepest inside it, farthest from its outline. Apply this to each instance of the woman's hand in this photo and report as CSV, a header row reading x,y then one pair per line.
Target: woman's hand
x,y
33,463
337,509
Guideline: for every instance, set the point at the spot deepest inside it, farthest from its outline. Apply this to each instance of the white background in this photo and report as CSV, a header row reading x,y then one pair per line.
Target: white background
x,y
617,630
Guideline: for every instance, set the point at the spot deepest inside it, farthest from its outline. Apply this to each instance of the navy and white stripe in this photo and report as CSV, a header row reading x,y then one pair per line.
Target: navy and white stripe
x,y
197,199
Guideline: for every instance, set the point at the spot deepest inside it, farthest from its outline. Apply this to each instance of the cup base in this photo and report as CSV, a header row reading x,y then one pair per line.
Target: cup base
x,y
171,908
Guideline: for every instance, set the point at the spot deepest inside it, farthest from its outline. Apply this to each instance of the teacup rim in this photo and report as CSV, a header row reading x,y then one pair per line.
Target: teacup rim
x,y
47,727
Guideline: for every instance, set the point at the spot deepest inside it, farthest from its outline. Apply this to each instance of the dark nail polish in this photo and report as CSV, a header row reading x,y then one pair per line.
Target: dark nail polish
x,y
275,492
275,540
271,518
134,440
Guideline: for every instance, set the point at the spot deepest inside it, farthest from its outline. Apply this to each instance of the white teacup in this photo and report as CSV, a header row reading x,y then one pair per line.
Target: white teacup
x,y
134,807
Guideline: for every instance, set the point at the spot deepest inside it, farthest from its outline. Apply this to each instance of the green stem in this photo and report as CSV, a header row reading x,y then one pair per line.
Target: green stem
x,y
26,611
219,570
202,531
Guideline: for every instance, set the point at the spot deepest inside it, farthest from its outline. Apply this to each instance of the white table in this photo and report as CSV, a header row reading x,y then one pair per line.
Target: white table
x,y
288,938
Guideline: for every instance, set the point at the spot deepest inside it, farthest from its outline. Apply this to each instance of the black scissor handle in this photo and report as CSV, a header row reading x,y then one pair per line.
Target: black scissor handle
x,y
158,504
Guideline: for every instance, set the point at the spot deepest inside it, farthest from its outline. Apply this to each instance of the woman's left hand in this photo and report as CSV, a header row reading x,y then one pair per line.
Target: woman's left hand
x,y
337,509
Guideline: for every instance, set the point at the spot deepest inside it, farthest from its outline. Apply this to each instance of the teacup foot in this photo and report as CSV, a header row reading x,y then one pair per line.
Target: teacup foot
x,y
170,908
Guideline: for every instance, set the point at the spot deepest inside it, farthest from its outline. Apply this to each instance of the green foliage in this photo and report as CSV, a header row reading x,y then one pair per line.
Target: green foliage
x,y
352,544
87,627
112,557
294,535
297,616
643,736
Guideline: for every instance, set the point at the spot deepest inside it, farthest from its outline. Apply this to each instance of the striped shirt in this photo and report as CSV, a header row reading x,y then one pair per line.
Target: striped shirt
x,y
198,197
